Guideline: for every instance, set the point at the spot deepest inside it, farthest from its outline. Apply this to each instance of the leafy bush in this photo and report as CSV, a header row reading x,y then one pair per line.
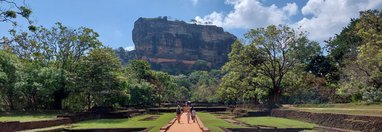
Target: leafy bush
x,y
372,94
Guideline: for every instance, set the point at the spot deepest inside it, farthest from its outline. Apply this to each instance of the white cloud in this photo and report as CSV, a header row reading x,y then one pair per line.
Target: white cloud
x,y
129,48
194,2
214,17
321,18
328,17
312,7
291,9
250,14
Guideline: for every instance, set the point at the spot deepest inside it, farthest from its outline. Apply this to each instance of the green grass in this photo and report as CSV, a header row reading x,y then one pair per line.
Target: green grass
x,y
350,108
127,123
213,123
29,116
276,122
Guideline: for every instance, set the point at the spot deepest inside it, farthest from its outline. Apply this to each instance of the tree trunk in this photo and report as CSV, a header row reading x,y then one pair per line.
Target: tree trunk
x,y
89,102
274,97
271,101
11,104
60,94
58,97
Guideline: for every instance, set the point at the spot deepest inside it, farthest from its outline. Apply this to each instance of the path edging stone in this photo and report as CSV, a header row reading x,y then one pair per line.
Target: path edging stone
x,y
201,125
167,126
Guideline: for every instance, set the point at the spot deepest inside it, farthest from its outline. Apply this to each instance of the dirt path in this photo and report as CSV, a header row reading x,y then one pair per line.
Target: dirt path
x,y
183,126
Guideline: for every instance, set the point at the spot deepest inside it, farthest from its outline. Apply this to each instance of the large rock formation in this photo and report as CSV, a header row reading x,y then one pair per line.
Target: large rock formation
x,y
177,47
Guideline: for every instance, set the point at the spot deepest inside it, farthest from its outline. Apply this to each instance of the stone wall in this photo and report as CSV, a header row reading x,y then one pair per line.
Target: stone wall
x,y
254,129
109,130
353,122
17,126
12,126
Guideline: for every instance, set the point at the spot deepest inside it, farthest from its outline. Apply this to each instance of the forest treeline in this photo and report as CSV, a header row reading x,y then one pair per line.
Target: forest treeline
x,y
277,64
70,69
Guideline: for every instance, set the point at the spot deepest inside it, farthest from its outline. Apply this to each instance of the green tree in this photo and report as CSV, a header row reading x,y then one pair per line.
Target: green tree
x,y
181,94
323,66
60,47
139,76
342,52
204,86
11,9
182,91
141,94
164,87
37,85
98,79
364,75
279,47
139,70
238,82
261,65
9,76
201,65
125,56
343,46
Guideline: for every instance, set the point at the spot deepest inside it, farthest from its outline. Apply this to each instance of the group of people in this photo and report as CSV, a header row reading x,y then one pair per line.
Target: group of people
x,y
188,109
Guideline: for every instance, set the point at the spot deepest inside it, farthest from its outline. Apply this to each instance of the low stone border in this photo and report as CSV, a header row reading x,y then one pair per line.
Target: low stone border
x,y
167,126
254,129
201,125
257,113
150,118
343,121
10,126
91,115
110,130
17,125
331,129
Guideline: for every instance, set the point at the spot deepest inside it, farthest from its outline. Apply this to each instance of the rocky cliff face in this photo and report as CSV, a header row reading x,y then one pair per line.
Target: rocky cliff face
x,y
176,46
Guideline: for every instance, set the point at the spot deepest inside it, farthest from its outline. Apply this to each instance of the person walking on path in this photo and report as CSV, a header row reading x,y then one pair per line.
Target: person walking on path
x,y
193,113
188,115
183,126
186,110
178,113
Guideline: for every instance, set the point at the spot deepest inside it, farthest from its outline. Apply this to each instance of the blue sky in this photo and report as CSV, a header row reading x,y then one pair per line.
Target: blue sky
x,y
114,19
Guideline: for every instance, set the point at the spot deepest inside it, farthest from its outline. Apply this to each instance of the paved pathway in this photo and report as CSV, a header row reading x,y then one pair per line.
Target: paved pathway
x,y
183,126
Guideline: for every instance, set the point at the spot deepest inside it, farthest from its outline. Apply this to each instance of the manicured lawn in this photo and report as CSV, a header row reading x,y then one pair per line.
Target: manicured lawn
x,y
276,122
352,109
23,117
213,123
127,123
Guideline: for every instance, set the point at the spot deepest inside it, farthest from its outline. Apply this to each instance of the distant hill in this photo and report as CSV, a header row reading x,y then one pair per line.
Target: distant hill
x,y
179,47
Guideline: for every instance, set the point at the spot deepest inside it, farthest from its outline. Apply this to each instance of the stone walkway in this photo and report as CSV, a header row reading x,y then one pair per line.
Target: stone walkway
x,y
183,126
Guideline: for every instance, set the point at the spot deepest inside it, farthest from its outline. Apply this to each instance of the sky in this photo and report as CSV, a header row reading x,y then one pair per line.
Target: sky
x,y
114,19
